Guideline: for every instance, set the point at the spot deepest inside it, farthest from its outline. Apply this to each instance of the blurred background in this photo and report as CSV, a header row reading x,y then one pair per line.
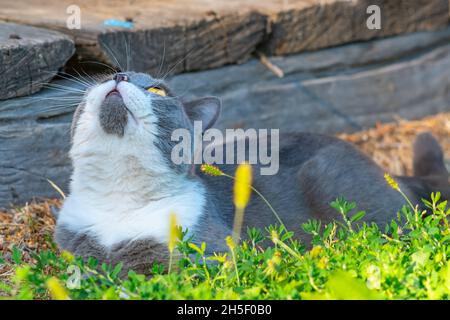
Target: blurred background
x,y
375,73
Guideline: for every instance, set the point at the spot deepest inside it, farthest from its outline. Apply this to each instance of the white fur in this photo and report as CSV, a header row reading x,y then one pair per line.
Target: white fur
x,y
110,225
121,188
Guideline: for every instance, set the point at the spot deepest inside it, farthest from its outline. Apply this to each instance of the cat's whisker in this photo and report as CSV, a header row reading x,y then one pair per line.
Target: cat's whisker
x,y
101,64
70,77
75,80
65,89
63,86
191,51
162,59
127,52
112,55
91,80
101,77
62,106
62,98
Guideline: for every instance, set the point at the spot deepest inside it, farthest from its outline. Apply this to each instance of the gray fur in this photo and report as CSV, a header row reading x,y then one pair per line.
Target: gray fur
x,y
429,158
138,255
171,116
113,115
314,170
206,109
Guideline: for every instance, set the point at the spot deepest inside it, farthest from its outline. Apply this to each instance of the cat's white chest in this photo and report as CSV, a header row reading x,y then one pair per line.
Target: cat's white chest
x,y
111,221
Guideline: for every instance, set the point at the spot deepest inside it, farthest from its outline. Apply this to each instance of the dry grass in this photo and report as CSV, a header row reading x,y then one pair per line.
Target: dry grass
x,y
30,228
390,145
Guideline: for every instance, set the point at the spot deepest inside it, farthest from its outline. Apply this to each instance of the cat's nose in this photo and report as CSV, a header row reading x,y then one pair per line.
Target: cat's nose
x,y
121,76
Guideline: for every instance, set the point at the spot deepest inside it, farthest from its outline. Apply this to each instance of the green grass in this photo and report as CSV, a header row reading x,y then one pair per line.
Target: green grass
x,y
408,259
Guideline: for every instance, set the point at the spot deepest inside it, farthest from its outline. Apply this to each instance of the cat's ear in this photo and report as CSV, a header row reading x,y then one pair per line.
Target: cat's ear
x,y
206,110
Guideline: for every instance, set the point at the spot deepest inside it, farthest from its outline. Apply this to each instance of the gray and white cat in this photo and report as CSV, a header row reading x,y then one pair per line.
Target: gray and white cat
x,y
124,185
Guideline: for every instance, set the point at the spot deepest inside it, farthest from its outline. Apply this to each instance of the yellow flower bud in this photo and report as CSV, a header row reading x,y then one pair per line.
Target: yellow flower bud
x,y
173,232
57,291
210,170
230,242
270,270
242,185
276,258
66,255
316,251
323,263
394,185
274,236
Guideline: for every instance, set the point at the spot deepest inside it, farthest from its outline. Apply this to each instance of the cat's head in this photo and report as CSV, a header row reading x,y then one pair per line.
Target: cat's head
x,y
133,115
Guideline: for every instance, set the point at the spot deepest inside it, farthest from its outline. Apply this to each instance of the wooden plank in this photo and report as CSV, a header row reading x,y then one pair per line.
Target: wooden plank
x,y
198,35
327,23
29,57
331,90
204,34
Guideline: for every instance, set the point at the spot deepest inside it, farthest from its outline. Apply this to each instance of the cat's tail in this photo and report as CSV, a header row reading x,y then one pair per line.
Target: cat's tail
x,y
428,157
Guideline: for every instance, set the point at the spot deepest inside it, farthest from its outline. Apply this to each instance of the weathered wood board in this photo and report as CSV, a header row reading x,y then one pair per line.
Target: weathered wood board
x,y
29,57
331,90
202,34
328,23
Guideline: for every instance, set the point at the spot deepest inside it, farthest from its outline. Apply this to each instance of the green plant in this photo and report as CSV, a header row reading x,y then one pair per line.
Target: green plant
x,y
348,259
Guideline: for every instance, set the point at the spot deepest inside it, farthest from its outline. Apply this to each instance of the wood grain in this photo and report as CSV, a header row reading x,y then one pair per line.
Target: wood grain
x,y
203,34
29,57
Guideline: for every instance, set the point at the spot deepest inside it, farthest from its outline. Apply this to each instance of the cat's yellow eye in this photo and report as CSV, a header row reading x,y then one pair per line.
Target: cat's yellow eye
x,y
158,91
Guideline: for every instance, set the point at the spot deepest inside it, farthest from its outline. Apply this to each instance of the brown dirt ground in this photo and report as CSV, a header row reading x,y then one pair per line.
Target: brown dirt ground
x,y
390,145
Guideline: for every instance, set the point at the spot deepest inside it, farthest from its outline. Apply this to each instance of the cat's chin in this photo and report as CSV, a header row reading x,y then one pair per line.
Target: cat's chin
x,y
113,114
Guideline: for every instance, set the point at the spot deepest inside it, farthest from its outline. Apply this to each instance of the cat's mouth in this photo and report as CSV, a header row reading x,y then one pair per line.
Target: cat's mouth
x,y
115,95
113,92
